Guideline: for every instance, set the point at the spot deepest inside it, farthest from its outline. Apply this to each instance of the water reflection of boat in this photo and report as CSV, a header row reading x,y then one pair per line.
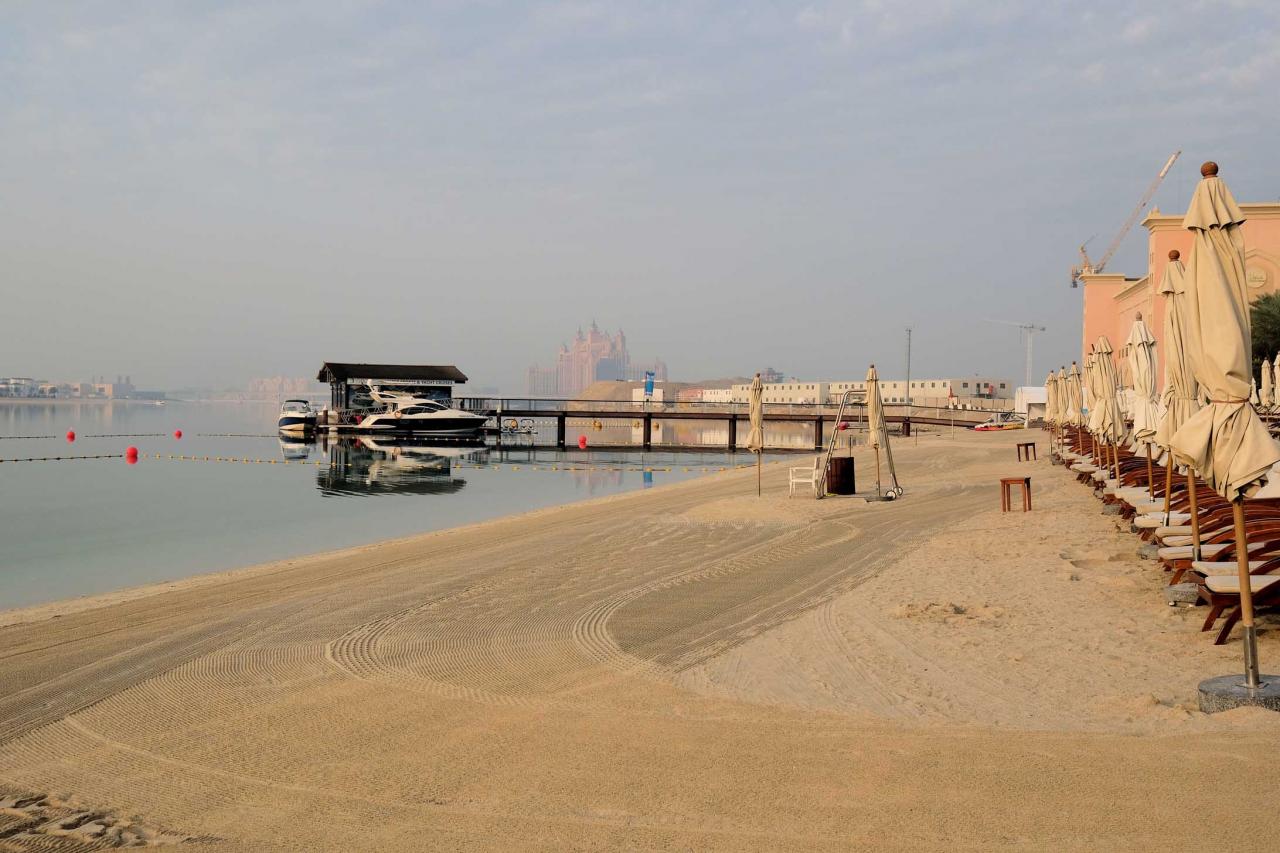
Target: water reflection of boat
x,y
386,464
294,447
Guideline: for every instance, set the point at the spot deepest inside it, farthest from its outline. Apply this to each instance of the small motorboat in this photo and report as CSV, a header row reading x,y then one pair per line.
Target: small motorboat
x,y
404,412
296,416
1002,421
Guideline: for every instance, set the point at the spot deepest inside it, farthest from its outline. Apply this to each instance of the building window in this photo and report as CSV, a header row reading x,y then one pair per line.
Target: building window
x,y
964,384
1001,384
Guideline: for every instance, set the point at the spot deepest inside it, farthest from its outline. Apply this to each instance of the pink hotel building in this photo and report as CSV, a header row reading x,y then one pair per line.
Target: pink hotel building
x,y
1113,301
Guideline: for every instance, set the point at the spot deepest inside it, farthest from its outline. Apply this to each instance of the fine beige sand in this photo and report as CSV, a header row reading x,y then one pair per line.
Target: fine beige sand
x,y
686,668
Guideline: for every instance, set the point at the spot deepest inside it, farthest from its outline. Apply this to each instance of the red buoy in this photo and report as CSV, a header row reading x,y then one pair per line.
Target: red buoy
x,y
177,433
71,435
132,460
131,453
582,442
844,425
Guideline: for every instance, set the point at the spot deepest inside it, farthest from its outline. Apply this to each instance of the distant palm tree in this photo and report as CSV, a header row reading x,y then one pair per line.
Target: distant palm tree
x,y
1265,318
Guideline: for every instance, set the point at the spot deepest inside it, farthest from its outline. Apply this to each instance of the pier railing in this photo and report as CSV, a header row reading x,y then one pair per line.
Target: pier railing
x,y
547,407
642,414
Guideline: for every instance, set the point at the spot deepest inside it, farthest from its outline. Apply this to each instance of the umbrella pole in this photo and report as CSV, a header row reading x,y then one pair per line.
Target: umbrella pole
x,y
878,471
1115,462
1195,514
1151,476
1246,598
1168,483
759,457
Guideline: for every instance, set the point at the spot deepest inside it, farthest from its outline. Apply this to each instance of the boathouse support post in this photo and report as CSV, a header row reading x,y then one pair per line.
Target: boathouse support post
x,y
733,433
560,430
648,430
817,433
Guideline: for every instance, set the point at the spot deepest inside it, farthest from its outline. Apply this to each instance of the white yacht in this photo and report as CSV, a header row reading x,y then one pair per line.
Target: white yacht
x,y
296,416
403,412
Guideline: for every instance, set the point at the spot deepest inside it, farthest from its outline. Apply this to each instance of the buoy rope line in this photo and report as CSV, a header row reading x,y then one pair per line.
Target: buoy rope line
x,y
12,437
64,458
124,435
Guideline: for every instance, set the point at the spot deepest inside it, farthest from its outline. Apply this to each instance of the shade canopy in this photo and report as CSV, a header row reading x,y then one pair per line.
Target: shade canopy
x,y
1267,393
755,399
875,409
1140,350
1225,442
1181,391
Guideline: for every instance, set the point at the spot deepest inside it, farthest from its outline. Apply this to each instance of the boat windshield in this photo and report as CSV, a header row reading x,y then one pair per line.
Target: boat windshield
x,y
423,407
295,406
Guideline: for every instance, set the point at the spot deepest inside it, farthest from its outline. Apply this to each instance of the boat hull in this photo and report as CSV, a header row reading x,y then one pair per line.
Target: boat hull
x,y
296,423
454,426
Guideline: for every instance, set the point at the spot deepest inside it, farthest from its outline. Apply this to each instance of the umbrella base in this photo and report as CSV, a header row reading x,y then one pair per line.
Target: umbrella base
x,y
1182,593
1228,691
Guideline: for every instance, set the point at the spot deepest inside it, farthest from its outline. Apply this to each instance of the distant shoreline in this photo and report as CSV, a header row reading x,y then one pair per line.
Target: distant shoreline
x,y
66,401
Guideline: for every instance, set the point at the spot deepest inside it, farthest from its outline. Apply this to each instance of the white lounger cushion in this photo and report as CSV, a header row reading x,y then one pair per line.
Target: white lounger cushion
x,y
1231,583
1155,520
1174,530
1183,552
1228,567
1084,467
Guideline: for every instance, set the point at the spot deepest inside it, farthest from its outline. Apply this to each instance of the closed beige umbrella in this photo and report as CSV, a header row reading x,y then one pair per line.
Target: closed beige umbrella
x,y
878,434
1075,396
1268,391
1064,402
755,438
1050,398
1181,391
1275,379
1091,401
1141,352
1141,356
1225,442
1111,425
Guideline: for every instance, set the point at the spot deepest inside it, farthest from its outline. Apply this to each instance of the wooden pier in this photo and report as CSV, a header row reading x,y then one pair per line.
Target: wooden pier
x,y
561,411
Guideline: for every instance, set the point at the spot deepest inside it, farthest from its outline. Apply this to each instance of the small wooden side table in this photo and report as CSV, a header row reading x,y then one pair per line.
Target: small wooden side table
x,y
1006,493
1026,451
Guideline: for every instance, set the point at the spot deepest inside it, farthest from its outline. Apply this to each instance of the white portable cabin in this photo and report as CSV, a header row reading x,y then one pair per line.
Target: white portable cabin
x,y
1029,401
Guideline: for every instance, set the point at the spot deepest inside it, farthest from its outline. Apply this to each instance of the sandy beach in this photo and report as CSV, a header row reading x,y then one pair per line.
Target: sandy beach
x,y
684,668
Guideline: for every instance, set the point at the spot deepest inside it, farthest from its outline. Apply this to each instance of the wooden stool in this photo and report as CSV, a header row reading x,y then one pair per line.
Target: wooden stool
x,y
1006,493
1027,450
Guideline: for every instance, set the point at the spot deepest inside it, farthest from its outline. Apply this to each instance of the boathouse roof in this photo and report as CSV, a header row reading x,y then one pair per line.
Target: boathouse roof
x,y
339,371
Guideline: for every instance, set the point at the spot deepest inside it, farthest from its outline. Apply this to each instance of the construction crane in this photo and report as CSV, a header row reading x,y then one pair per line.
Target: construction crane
x,y
1088,266
1028,333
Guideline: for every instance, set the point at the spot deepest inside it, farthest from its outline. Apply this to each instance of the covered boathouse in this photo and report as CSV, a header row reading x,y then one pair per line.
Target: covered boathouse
x,y
349,382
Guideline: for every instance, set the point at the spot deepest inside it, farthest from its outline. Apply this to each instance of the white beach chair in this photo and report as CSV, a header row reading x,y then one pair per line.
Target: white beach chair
x,y
805,476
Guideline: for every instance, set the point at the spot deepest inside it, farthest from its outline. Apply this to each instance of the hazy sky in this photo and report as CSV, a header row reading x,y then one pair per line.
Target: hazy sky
x,y
204,192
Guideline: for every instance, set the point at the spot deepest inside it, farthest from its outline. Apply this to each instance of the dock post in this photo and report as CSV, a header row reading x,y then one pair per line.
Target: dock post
x,y
560,428
817,433
733,433
648,430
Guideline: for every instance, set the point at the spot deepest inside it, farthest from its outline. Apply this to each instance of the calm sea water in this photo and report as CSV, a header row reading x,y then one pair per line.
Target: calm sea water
x,y
81,527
